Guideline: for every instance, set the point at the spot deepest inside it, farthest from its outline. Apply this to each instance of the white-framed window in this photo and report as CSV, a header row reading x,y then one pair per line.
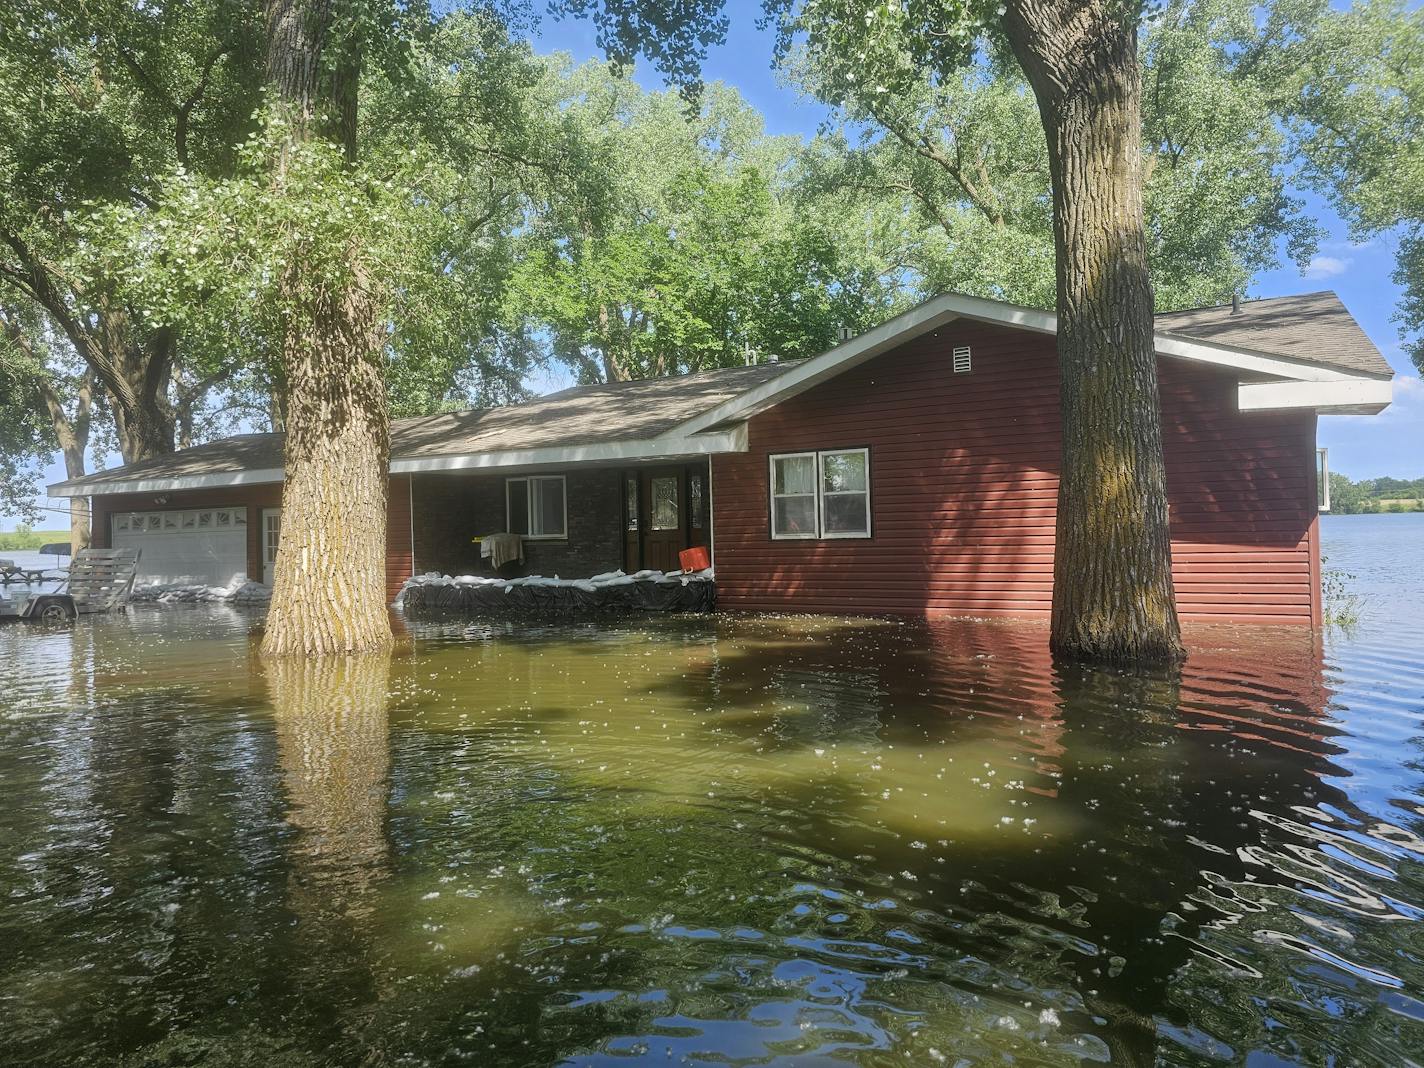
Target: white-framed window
x,y
1322,479
536,506
793,495
845,493
822,494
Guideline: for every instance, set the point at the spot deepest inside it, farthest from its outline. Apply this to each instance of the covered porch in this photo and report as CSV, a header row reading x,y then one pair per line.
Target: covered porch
x,y
573,521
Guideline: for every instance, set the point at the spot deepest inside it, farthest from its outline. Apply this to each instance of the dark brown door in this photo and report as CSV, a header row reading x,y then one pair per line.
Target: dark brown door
x,y
664,535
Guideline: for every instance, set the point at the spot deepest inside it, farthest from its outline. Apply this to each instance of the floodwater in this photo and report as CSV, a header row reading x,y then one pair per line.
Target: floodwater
x,y
731,840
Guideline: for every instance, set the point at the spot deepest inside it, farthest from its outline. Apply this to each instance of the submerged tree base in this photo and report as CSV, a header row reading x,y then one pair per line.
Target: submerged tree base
x,y
1155,648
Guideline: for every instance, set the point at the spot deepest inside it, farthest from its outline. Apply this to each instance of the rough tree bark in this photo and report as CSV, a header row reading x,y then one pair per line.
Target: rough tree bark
x,y
328,593
137,376
72,434
1112,584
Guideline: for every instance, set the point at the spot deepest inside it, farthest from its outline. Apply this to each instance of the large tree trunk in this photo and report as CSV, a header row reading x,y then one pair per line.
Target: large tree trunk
x,y
328,596
137,372
72,434
1112,584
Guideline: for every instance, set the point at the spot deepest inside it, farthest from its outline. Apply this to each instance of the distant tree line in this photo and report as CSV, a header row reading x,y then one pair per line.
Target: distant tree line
x,y
1372,495
26,538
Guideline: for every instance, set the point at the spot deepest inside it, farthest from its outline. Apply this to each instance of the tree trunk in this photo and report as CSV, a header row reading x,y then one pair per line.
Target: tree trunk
x,y
133,370
73,437
329,593
71,433
137,372
1113,598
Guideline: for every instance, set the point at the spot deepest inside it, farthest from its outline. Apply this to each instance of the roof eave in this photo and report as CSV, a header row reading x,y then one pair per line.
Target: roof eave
x,y
663,447
83,487
951,306
1356,396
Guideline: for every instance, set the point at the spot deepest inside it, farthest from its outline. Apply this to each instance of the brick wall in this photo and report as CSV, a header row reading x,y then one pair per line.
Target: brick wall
x,y
451,509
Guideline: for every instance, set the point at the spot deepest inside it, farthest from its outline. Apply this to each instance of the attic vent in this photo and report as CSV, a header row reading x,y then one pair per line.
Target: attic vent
x,y
961,359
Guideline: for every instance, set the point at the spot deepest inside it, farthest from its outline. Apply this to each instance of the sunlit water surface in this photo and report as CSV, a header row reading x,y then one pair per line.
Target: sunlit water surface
x,y
734,840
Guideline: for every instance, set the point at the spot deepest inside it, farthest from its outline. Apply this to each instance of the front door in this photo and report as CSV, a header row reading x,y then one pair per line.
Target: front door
x,y
665,535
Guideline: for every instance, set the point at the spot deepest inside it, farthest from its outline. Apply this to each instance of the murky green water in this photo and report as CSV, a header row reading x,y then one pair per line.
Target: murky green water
x,y
732,840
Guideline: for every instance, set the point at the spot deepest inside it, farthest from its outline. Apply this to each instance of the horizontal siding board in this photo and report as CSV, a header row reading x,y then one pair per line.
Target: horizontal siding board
x,y
964,483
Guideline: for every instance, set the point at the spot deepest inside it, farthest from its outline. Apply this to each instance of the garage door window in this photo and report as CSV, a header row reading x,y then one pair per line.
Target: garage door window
x,y
160,523
190,546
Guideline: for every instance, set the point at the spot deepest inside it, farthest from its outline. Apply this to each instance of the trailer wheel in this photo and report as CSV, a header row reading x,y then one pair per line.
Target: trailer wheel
x,y
53,610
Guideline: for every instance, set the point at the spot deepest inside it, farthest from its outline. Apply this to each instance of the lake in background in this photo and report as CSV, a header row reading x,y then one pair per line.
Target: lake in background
x,y
717,840
1384,555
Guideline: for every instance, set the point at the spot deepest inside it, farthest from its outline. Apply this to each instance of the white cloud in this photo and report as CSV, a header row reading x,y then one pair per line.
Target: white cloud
x,y
1325,267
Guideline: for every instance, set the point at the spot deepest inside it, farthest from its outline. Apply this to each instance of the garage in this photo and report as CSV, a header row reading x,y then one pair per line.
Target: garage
x,y
193,546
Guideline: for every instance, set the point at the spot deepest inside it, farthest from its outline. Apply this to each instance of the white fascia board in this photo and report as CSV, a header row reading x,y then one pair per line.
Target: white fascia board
x,y
1246,360
81,488
944,309
660,448
1353,396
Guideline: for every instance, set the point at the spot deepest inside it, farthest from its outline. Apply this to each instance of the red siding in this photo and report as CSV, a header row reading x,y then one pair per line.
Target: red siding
x,y
400,557
399,561
964,478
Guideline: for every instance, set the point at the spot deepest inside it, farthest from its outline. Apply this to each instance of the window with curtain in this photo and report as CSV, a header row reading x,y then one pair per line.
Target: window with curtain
x,y
793,495
823,494
845,494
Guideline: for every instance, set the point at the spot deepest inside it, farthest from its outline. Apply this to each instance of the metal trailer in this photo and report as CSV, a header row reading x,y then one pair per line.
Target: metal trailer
x,y
99,580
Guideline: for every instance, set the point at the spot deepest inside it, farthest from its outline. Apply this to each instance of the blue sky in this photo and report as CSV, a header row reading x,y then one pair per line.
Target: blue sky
x,y
1360,446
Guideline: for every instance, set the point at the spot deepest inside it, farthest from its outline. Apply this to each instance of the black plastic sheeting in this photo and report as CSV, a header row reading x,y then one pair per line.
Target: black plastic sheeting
x,y
441,599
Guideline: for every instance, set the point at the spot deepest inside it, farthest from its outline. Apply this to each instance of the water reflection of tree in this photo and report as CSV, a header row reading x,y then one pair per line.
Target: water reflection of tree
x,y
1167,794
334,752
334,746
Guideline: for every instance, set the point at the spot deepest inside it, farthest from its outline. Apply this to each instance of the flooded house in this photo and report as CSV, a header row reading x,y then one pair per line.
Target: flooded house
x,y
912,469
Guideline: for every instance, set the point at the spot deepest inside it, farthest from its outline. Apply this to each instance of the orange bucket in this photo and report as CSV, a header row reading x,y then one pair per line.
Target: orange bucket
x,y
694,559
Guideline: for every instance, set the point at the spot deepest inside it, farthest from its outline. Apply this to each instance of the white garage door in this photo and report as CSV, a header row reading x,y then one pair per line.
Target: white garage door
x,y
198,546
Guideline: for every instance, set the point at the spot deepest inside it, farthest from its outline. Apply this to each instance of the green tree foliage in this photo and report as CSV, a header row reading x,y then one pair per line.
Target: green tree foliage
x,y
1375,495
966,156
99,101
25,434
692,246
1350,84
465,156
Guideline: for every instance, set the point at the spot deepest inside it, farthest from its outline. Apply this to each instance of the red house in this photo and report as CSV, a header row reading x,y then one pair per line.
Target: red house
x,y
912,469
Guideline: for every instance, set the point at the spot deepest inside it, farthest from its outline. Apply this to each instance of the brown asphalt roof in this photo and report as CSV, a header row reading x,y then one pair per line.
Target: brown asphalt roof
x,y
1312,327
580,415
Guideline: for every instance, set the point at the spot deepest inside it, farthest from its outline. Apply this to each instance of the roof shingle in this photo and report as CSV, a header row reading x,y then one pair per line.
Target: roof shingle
x,y
1312,327
580,415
